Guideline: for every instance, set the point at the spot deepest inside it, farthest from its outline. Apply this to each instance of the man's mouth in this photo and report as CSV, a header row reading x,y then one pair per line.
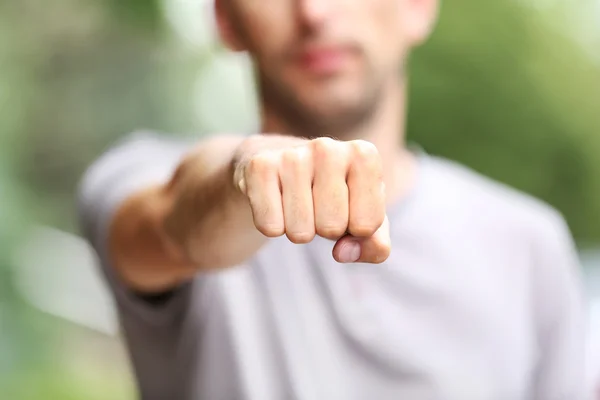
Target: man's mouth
x,y
324,60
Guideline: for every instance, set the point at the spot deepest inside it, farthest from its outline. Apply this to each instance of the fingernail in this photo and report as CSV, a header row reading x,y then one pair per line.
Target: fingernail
x,y
350,252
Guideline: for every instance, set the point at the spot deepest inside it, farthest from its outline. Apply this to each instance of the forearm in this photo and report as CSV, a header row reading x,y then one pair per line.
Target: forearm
x,y
137,248
209,220
197,221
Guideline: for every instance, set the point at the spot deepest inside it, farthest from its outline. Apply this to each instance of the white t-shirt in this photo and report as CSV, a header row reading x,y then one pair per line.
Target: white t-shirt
x,y
479,300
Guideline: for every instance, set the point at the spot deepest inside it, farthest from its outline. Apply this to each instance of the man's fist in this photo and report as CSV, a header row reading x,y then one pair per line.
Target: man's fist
x,y
319,187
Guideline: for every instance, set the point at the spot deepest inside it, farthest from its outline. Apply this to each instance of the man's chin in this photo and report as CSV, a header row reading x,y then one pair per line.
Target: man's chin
x,y
316,110
337,122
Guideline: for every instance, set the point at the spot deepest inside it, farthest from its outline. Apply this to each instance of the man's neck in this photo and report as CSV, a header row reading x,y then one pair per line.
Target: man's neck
x,y
385,130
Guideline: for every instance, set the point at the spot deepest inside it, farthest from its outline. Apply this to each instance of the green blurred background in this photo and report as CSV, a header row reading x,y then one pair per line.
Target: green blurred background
x,y
510,88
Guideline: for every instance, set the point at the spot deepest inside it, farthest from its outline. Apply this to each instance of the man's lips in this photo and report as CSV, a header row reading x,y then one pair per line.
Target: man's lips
x,y
324,60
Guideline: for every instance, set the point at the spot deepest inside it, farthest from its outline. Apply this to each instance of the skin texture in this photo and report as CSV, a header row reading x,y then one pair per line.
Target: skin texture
x,y
326,69
320,187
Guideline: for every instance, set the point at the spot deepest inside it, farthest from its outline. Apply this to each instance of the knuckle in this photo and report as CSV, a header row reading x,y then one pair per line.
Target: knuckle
x,y
295,163
364,148
378,216
270,229
300,237
331,230
262,164
324,145
365,151
295,159
289,157
363,227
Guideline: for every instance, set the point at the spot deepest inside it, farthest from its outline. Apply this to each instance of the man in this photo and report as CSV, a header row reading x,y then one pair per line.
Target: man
x,y
274,267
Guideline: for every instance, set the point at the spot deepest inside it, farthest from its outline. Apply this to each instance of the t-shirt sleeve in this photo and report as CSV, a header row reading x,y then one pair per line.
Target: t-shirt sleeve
x,y
141,160
561,323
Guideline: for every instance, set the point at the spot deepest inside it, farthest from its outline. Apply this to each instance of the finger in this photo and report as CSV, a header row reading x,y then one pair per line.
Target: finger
x,y
377,248
347,250
261,184
296,188
366,189
330,191
374,249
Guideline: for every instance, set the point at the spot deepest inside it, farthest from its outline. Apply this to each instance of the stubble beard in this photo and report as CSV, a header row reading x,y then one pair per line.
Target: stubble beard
x,y
318,120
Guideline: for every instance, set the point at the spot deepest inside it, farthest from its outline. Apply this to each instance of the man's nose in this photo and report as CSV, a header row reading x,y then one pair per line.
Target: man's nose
x,y
313,13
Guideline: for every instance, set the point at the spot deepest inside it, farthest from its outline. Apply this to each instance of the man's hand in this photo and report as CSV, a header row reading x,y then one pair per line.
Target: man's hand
x,y
318,187
229,192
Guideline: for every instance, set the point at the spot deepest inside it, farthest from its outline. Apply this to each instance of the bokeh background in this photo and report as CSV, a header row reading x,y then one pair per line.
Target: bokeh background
x,y
509,87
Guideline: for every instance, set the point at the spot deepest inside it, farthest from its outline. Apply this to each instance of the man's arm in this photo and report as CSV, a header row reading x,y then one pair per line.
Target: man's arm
x,y
228,193
141,160
161,236
561,322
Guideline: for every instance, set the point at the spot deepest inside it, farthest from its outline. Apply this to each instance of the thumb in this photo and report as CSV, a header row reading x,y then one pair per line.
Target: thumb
x,y
374,249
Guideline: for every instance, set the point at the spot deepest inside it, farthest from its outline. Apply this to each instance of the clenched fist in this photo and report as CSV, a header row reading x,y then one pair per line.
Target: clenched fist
x,y
319,187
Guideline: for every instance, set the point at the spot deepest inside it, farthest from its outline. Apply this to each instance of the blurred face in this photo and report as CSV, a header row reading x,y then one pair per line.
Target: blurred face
x,y
324,64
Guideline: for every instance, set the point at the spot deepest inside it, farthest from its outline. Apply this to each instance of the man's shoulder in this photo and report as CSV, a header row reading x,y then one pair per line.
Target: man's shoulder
x,y
484,198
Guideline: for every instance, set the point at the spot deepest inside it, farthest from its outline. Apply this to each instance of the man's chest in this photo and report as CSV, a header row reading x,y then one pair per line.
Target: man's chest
x,y
296,323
